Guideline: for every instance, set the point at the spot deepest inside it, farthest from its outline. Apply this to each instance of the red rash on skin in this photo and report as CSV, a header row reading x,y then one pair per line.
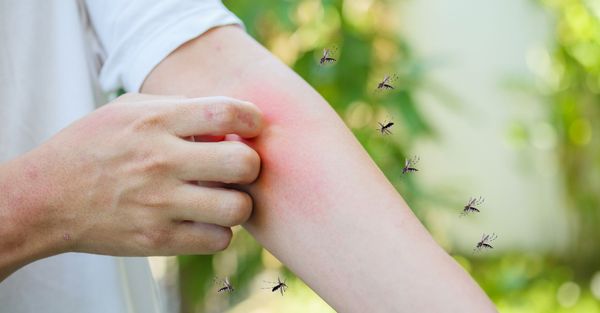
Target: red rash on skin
x,y
288,175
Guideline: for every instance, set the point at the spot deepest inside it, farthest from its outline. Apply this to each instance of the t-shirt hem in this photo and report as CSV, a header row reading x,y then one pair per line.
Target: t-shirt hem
x,y
168,40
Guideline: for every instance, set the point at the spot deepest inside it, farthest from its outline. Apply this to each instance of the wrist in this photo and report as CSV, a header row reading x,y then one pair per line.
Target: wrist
x,y
27,229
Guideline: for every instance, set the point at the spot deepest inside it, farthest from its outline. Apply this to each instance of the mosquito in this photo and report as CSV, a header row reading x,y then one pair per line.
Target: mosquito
x,y
484,243
384,128
409,165
279,285
328,56
227,286
386,83
470,207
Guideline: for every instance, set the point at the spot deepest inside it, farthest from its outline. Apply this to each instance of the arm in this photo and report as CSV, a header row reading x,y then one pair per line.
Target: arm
x,y
321,204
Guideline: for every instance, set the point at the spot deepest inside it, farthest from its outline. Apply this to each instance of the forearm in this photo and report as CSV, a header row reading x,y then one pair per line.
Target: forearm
x,y
25,234
321,204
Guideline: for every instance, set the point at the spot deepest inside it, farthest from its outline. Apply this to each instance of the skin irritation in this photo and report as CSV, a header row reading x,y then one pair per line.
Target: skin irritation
x,y
298,133
286,162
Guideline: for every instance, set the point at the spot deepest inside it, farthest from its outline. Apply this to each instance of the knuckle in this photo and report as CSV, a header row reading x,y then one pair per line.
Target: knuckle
x,y
178,112
157,238
239,208
155,163
225,115
245,164
155,200
221,239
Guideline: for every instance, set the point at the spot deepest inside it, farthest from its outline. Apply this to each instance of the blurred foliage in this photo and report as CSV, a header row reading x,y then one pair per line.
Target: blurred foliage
x,y
574,86
569,77
534,283
365,33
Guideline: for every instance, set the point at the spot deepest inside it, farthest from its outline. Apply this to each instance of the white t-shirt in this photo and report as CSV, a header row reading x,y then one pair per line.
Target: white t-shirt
x,y
56,59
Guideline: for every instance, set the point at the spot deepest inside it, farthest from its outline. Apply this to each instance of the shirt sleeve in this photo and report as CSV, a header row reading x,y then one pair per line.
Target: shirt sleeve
x,y
135,35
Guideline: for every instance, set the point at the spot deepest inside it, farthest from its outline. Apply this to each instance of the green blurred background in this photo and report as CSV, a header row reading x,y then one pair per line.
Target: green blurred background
x,y
498,99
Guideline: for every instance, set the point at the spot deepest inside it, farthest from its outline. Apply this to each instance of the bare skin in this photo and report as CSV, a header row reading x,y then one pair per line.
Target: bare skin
x,y
118,182
321,205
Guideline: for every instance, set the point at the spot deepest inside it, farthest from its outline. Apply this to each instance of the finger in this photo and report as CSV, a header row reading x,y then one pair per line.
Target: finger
x,y
200,238
230,162
186,238
214,116
220,206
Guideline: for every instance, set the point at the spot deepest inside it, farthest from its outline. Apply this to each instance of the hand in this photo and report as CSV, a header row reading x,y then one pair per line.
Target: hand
x,y
119,181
